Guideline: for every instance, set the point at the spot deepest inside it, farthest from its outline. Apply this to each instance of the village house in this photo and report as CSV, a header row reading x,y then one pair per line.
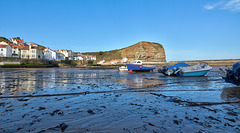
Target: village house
x,y
49,54
113,62
24,52
124,60
89,57
17,40
59,55
67,53
101,62
78,56
32,52
16,51
5,50
118,60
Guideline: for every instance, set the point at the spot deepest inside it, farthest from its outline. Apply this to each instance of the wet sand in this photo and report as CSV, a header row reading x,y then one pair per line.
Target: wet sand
x,y
81,100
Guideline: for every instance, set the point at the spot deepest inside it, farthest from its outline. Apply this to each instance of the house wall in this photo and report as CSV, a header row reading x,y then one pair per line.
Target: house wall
x,y
39,54
54,55
35,53
50,55
6,52
9,51
47,55
25,54
16,51
32,53
2,52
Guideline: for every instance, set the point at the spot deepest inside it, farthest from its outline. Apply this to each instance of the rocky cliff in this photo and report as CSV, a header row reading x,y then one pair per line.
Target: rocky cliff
x,y
146,51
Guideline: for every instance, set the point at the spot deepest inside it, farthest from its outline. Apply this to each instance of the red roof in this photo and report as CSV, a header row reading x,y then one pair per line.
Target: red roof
x,y
17,46
3,46
18,39
25,48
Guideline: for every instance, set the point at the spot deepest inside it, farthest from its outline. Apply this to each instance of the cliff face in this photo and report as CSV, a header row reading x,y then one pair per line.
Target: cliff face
x,y
145,51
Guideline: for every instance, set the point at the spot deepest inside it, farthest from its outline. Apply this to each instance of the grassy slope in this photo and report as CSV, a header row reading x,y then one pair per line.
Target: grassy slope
x,y
107,55
3,39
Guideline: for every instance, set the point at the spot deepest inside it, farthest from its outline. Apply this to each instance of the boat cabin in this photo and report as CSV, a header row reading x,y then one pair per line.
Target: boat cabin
x,y
137,62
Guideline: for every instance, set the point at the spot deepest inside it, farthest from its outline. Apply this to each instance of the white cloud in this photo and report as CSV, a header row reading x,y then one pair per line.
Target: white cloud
x,y
232,5
212,6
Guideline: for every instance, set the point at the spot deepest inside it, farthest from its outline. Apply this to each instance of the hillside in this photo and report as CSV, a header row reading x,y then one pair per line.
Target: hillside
x,y
146,51
3,39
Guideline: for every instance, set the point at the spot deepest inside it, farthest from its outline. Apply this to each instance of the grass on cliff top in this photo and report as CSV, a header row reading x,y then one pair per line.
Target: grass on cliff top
x,y
156,45
106,55
115,54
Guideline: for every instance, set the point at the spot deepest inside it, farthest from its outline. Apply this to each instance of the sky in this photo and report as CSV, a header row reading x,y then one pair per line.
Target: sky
x,y
187,29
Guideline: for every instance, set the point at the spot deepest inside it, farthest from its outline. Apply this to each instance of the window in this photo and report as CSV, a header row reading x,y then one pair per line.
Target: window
x,y
33,51
1,49
24,51
33,56
23,56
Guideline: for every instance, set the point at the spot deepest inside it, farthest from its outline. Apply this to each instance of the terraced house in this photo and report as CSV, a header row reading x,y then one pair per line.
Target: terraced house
x,y
32,52
16,51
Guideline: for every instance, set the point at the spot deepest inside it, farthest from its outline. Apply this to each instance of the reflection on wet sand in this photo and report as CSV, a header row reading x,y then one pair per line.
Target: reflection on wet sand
x,y
140,82
81,100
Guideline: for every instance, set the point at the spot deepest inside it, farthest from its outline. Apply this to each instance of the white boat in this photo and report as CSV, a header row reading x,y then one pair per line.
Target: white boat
x,y
200,69
123,69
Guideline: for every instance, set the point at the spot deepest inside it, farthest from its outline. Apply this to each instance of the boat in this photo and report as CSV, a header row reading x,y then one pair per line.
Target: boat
x,y
231,74
123,69
170,71
201,69
137,66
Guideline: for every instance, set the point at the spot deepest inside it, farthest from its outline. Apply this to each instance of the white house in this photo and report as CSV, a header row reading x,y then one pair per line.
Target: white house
x,y
124,60
5,50
67,53
49,54
101,62
78,57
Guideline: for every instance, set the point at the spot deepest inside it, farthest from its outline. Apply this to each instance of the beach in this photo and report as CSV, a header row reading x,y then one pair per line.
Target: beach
x,y
86,100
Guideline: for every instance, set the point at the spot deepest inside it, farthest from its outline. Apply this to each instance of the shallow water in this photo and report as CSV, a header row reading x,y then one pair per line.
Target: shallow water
x,y
41,100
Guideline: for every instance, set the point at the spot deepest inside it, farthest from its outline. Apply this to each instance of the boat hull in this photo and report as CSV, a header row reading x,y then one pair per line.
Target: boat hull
x,y
193,74
136,67
123,69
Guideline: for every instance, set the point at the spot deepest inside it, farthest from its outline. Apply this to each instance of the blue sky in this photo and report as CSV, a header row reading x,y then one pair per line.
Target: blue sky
x,y
188,29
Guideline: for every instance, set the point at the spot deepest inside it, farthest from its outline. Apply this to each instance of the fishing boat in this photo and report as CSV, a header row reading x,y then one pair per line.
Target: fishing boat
x,y
170,71
137,66
201,69
123,69
231,74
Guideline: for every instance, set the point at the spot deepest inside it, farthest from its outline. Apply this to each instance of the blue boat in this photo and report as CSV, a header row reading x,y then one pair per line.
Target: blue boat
x,y
170,71
201,69
137,66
